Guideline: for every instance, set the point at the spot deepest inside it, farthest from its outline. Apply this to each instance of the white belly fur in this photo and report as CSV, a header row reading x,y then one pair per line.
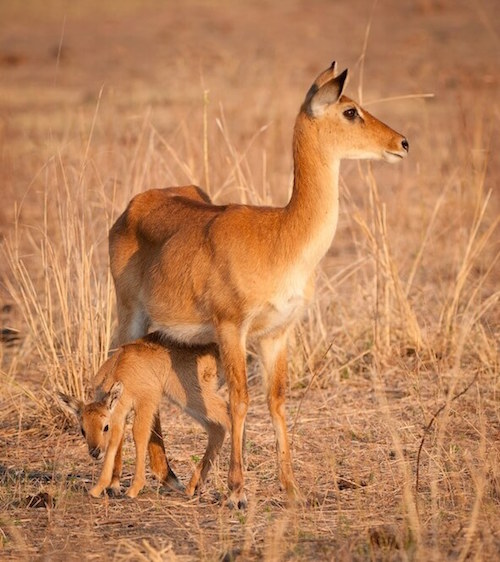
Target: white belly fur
x,y
192,334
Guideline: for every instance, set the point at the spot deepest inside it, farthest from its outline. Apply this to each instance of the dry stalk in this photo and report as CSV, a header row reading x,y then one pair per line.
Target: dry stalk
x,y
475,245
480,486
206,158
428,427
388,285
275,548
408,498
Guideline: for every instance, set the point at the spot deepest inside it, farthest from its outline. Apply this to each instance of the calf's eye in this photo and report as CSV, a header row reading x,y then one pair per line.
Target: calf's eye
x,y
106,427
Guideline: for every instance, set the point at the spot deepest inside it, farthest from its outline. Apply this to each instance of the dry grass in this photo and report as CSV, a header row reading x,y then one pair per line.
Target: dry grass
x,y
97,104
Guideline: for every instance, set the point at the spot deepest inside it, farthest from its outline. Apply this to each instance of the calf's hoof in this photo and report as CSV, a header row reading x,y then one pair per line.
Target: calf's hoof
x,y
237,500
95,492
132,493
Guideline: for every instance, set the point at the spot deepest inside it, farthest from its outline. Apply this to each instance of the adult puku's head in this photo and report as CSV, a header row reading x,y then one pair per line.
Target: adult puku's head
x,y
343,126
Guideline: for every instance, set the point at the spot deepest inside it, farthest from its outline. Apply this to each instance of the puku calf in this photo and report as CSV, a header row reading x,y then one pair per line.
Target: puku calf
x,y
134,379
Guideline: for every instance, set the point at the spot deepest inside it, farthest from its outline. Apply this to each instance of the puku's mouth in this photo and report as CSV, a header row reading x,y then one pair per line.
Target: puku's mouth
x,y
394,156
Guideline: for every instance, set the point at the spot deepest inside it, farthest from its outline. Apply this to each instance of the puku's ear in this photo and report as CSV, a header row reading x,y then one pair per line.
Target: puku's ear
x,y
70,404
328,94
322,78
114,395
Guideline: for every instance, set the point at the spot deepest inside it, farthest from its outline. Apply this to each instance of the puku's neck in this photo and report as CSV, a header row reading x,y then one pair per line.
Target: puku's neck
x,y
312,211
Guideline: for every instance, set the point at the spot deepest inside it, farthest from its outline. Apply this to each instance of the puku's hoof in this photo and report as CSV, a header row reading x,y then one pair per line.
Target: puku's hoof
x,y
172,482
295,497
115,492
237,501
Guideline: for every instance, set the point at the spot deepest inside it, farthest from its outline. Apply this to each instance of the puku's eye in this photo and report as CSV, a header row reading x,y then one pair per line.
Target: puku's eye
x,y
83,433
106,427
351,113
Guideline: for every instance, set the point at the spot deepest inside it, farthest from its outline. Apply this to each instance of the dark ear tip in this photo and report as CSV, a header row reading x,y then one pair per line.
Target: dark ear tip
x,y
342,78
333,64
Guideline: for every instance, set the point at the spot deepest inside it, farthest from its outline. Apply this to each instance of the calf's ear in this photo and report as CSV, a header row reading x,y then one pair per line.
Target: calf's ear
x,y
69,403
114,395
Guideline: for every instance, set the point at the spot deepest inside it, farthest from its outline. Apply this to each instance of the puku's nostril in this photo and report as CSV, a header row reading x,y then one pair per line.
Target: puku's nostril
x,y
405,145
95,452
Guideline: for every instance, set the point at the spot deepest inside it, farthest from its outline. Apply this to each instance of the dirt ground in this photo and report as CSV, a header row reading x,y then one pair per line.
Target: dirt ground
x,y
101,100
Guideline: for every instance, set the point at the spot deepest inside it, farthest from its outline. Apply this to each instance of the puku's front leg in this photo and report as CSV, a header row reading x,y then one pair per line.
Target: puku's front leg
x,y
141,431
234,362
274,362
117,470
106,476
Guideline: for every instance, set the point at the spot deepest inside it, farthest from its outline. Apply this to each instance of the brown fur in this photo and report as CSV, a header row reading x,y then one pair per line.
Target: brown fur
x,y
134,380
207,273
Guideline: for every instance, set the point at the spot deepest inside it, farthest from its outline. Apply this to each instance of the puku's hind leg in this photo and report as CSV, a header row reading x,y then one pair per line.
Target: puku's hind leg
x,y
158,458
216,434
142,431
274,362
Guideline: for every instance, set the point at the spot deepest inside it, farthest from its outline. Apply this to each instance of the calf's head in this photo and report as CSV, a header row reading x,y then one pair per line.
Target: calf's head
x,y
94,418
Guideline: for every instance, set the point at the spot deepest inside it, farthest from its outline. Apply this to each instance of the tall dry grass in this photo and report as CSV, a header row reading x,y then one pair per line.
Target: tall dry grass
x,y
405,318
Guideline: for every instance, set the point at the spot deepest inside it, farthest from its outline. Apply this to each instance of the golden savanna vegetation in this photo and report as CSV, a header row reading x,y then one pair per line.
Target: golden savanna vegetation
x,y
393,395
